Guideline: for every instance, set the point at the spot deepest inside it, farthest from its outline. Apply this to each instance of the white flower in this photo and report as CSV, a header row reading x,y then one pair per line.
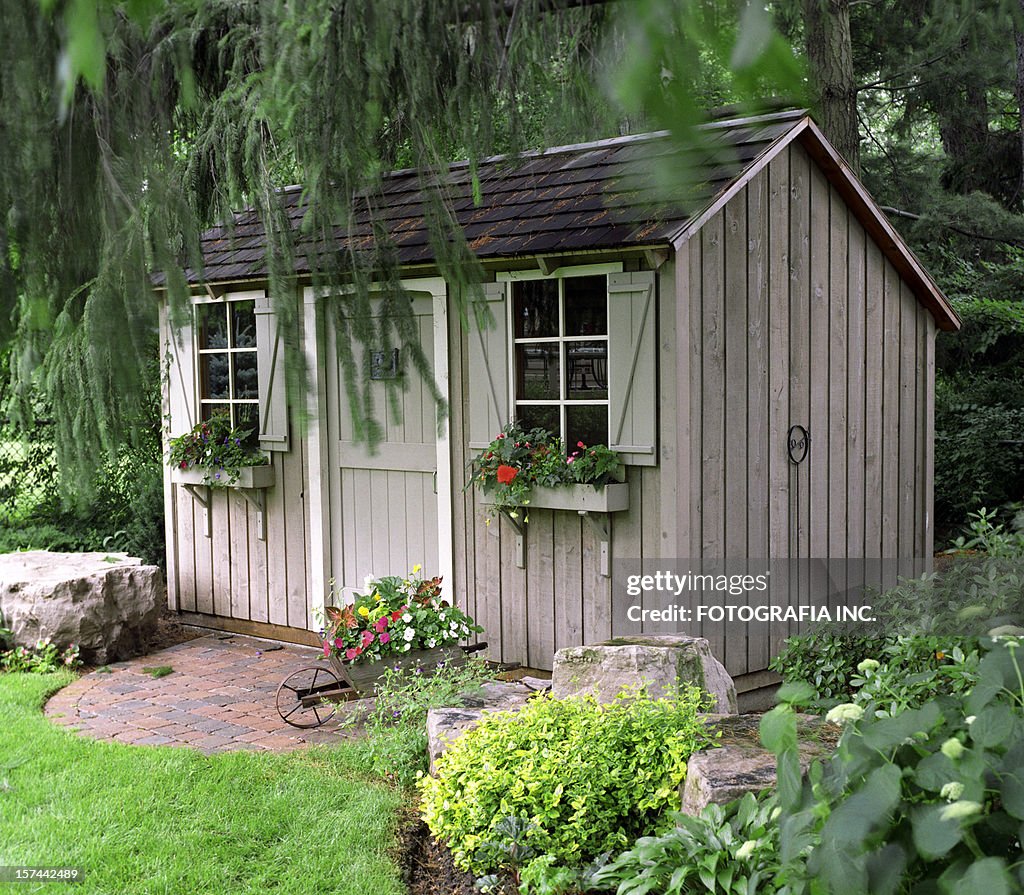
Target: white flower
x,y
407,618
957,810
431,643
868,665
406,648
368,581
409,634
952,791
440,615
847,711
746,850
952,748
970,719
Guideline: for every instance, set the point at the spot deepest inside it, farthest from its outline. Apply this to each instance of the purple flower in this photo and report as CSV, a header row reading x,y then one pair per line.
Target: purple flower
x,y
217,475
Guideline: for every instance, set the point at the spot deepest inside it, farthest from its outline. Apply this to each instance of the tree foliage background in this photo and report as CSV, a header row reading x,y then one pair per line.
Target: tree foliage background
x,y
129,127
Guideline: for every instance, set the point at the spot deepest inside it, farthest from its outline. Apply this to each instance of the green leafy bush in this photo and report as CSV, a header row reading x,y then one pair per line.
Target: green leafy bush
x,y
826,660
909,671
930,799
588,778
731,849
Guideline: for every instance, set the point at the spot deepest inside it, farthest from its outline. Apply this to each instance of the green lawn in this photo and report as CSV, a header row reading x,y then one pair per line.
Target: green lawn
x,y
160,820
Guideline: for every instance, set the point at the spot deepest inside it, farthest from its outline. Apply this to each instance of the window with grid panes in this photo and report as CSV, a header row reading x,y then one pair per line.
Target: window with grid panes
x,y
228,368
560,357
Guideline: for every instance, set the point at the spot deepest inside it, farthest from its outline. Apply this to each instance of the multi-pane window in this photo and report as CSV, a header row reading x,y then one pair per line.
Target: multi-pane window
x,y
228,381
560,362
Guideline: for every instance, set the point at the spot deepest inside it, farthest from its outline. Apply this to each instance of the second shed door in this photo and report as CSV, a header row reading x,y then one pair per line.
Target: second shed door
x,y
389,501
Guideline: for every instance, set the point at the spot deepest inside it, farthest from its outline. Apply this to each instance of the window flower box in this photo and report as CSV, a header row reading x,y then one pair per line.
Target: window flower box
x,y
612,498
247,477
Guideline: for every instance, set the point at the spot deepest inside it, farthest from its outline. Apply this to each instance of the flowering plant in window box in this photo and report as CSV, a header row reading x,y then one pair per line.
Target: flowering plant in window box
x,y
395,616
213,452
524,468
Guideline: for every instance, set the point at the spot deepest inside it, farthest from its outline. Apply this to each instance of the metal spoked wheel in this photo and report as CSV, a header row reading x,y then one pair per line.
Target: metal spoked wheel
x,y
300,698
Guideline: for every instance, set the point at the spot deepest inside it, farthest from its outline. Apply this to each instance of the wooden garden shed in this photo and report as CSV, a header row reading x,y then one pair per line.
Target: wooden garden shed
x,y
690,341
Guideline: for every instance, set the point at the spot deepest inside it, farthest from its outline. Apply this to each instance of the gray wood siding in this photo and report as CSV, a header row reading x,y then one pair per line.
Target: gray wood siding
x,y
796,317
234,574
559,598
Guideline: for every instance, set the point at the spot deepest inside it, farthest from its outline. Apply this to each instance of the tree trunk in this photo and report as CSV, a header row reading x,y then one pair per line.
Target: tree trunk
x,y
830,58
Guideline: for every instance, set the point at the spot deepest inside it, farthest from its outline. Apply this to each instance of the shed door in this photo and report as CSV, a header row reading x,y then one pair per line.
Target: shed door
x,y
389,500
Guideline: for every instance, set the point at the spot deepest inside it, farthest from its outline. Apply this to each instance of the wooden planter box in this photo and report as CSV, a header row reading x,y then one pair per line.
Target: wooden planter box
x,y
580,498
248,477
363,676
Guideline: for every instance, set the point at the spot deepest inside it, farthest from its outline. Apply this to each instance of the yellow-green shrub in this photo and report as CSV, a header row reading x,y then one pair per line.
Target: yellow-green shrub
x,y
587,777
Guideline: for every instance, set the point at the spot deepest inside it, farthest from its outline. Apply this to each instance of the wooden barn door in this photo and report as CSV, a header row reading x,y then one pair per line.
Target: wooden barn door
x,y
386,521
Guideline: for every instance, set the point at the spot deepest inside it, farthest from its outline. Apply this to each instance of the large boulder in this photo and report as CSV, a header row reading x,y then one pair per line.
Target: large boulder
x,y
739,764
107,603
662,661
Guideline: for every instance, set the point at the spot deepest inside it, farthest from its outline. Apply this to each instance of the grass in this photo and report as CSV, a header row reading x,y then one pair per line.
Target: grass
x,y
165,820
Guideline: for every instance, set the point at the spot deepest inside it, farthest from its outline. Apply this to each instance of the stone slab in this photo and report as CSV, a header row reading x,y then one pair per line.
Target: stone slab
x,y
740,764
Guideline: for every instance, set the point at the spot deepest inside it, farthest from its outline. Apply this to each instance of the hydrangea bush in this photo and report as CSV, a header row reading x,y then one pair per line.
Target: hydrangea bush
x,y
394,616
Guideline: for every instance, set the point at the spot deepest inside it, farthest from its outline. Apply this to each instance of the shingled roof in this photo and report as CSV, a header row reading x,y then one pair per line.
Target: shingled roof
x,y
588,196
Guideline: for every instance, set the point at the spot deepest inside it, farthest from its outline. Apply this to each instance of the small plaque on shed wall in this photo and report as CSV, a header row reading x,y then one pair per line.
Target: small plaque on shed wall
x,y
384,364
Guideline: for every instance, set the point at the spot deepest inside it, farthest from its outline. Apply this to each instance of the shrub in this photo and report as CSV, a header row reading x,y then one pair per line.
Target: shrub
x,y
930,799
825,660
731,848
587,778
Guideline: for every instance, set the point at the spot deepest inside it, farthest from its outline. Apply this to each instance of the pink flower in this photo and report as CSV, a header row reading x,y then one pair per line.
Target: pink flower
x,y
339,643
380,624
502,435
580,444
385,637
327,649
352,652
367,638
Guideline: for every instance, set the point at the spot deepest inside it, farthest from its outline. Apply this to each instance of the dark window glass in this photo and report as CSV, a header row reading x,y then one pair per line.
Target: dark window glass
x,y
243,324
537,371
535,309
247,416
538,417
588,424
212,410
586,306
246,384
586,371
214,375
213,330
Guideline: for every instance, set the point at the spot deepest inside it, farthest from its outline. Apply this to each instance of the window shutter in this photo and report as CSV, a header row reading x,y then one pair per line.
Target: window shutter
x,y
181,379
632,362
488,368
270,352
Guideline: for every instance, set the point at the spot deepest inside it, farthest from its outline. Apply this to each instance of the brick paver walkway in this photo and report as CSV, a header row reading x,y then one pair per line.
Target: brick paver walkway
x,y
219,698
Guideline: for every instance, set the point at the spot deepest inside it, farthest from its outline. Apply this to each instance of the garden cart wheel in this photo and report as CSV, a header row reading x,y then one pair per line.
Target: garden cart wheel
x,y
302,696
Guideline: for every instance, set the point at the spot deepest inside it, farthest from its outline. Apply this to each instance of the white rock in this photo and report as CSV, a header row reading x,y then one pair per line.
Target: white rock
x,y
107,603
662,661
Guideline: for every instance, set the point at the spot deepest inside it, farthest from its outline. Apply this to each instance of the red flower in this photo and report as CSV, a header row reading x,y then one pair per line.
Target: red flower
x,y
580,444
396,615
506,474
352,652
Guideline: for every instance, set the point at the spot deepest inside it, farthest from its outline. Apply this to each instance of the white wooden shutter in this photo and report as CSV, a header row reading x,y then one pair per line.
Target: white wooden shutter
x,y
182,401
488,368
632,366
270,352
